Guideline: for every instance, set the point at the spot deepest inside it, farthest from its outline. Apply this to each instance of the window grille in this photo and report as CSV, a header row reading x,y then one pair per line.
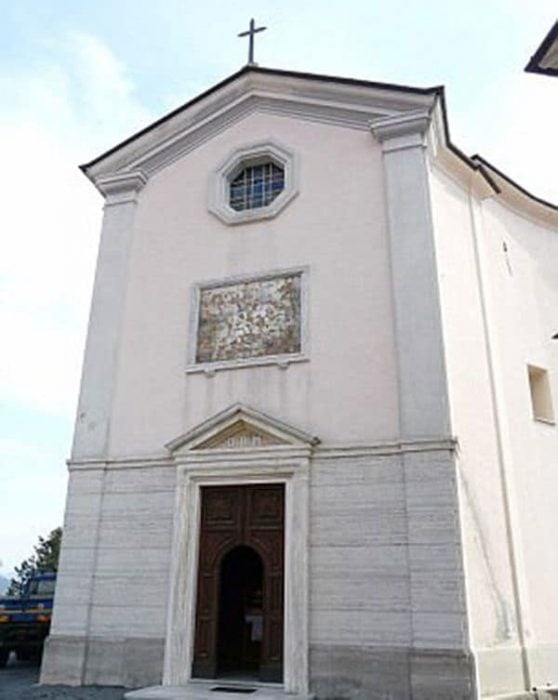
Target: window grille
x,y
256,186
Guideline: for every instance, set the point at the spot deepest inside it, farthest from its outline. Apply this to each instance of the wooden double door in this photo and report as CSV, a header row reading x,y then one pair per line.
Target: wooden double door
x,y
239,613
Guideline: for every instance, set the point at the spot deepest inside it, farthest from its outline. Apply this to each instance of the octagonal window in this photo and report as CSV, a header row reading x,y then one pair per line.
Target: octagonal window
x,y
256,186
255,182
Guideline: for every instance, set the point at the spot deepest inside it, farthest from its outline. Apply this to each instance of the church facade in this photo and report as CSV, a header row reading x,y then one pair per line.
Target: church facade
x,y
315,444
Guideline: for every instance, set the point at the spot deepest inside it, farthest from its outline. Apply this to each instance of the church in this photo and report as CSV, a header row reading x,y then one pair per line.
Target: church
x,y
315,452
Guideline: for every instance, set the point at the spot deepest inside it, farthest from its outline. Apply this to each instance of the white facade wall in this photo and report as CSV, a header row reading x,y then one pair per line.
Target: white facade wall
x,y
178,242
404,588
420,328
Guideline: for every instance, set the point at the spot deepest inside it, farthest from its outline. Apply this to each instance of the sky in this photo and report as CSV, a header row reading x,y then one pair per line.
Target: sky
x,y
78,77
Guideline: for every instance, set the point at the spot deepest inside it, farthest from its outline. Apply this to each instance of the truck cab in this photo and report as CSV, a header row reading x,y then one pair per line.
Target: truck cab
x,y
25,619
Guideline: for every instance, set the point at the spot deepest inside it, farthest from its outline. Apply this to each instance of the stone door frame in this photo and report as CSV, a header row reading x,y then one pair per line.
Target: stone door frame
x,y
287,464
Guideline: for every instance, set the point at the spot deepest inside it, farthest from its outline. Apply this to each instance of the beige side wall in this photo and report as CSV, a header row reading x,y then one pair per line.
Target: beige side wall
x,y
500,495
336,225
523,289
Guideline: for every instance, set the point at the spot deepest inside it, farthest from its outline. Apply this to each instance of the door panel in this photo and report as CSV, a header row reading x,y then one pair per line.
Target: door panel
x,y
234,516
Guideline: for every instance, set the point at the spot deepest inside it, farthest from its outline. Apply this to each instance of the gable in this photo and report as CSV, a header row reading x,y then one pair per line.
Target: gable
x,y
324,99
240,427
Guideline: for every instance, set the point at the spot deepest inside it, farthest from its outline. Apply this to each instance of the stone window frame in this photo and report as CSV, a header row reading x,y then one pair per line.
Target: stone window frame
x,y
244,156
281,360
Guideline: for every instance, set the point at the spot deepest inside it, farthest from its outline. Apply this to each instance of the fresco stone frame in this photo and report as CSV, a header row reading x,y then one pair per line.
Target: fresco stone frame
x,y
283,359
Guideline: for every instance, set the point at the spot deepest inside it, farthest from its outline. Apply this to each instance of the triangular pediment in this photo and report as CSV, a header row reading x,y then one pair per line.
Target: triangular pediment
x,y
241,435
350,103
240,427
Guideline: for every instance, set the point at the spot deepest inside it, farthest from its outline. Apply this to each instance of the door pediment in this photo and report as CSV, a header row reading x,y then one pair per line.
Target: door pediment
x,y
241,435
240,427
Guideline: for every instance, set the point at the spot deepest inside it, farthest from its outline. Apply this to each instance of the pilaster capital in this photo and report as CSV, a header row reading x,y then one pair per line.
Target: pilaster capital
x,y
122,187
401,130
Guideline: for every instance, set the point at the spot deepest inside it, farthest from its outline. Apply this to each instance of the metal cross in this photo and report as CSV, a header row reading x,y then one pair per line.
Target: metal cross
x,y
253,30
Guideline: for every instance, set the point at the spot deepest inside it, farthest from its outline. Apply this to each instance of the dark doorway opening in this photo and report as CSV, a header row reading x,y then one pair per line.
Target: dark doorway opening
x,y
240,628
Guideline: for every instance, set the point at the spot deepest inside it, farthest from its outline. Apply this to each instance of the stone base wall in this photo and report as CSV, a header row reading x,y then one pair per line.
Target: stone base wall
x,y
500,671
372,673
388,618
130,662
526,695
519,696
387,615
63,661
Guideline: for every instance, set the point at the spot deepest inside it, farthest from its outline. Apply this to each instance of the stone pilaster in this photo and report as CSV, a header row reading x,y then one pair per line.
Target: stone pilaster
x,y
107,307
423,392
440,663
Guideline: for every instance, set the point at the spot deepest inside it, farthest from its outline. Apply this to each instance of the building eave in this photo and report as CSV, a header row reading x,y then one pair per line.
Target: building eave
x,y
482,162
473,166
542,61
476,174
518,198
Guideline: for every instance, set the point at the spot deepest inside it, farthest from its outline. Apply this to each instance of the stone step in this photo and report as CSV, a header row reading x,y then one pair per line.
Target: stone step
x,y
215,690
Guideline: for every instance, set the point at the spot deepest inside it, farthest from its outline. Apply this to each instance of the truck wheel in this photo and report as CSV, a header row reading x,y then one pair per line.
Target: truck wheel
x,y
4,656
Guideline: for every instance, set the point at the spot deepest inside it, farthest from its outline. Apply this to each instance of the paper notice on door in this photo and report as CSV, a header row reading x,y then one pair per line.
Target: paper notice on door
x,y
256,627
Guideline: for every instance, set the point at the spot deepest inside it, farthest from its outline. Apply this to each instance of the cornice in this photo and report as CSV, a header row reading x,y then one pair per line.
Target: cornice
x,y
397,126
317,453
385,449
348,105
121,187
164,154
379,92
132,462
160,155
276,455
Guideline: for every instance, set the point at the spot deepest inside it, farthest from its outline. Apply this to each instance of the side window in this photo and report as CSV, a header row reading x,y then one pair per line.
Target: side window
x,y
541,398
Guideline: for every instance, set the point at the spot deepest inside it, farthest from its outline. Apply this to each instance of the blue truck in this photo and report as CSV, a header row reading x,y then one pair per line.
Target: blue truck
x,y
25,619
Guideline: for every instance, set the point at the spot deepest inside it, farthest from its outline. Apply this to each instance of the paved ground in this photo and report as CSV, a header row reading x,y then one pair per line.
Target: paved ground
x,y
18,681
